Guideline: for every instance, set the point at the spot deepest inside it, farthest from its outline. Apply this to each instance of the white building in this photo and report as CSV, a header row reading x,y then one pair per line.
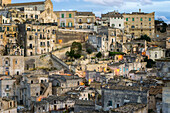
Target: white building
x,y
155,53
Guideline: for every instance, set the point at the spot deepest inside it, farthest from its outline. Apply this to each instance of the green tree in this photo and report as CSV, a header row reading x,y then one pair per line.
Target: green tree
x,y
89,51
99,55
150,62
76,46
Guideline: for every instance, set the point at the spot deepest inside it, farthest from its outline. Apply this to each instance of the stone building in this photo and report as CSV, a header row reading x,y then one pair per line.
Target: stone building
x,y
84,106
155,53
37,39
117,96
139,23
53,104
63,83
163,65
168,43
113,19
11,65
7,88
32,11
155,99
85,20
132,108
31,88
8,106
9,33
4,2
66,19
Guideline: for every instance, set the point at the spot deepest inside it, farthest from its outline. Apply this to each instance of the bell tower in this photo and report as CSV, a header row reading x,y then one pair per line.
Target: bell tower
x,y
5,2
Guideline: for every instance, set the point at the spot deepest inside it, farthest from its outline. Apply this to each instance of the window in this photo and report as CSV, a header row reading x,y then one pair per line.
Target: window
x,y
31,81
156,54
17,72
126,19
10,104
62,15
70,24
7,28
48,43
133,26
88,20
80,27
16,62
80,20
124,69
119,25
30,46
113,25
1,36
133,19
36,16
110,103
62,24
28,29
6,62
149,19
169,41
141,19
88,27
7,86
69,15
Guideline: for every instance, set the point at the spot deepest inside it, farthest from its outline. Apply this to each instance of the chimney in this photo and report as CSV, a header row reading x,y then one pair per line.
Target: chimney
x,y
139,10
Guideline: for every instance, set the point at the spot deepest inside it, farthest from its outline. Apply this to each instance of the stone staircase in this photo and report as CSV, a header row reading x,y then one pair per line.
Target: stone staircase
x,y
63,64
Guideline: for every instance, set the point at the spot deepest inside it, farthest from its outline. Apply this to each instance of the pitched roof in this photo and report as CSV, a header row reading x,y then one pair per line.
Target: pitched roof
x,y
25,4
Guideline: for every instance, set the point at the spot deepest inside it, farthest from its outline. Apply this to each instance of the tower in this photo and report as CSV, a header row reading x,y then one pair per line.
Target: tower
x,y
5,2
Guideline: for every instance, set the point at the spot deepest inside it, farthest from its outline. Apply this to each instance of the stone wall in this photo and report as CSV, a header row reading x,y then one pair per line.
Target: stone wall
x,y
118,97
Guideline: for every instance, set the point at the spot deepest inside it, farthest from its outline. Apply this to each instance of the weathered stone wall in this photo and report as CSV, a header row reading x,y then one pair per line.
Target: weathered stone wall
x,y
120,97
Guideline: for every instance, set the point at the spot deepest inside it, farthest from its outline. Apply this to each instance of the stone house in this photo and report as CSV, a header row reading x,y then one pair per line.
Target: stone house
x,y
8,106
84,106
53,104
39,39
155,53
113,19
92,76
84,20
64,83
155,99
117,96
11,65
66,19
139,23
137,75
7,87
31,88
